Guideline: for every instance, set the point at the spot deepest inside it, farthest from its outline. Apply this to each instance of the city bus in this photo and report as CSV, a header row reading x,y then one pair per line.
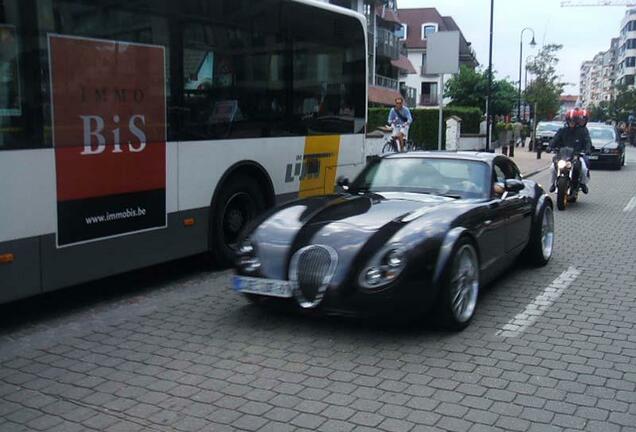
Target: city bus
x,y
140,131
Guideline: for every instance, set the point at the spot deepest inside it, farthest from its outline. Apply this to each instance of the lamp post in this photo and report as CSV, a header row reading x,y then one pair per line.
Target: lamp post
x,y
532,44
525,84
489,89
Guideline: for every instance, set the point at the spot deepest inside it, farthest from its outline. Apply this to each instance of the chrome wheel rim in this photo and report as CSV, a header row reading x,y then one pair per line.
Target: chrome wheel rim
x,y
464,283
547,232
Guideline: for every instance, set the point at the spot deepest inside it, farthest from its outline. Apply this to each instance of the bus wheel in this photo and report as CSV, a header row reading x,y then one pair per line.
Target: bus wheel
x,y
239,201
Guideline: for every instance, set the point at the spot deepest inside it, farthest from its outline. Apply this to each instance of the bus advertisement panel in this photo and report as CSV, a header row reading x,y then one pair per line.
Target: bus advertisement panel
x,y
109,133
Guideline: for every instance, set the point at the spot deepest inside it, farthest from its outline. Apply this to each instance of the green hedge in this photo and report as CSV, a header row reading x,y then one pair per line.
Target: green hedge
x,y
423,131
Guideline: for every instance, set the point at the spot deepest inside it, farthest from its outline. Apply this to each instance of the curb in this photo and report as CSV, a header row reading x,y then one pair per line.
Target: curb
x,y
535,172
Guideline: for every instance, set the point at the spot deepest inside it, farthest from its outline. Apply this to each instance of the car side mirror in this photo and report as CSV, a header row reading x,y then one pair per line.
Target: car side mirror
x,y
514,185
343,182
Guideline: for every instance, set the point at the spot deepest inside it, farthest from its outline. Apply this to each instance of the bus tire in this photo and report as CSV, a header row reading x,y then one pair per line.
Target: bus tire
x,y
240,200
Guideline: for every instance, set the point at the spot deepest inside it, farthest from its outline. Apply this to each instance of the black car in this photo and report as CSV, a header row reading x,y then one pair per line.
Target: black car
x,y
546,131
607,147
413,233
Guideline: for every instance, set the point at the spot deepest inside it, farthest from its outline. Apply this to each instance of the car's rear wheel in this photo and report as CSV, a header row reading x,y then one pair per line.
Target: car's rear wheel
x,y
541,242
562,193
460,287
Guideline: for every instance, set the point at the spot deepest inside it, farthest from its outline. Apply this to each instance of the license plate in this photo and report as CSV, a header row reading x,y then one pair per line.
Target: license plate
x,y
594,157
261,286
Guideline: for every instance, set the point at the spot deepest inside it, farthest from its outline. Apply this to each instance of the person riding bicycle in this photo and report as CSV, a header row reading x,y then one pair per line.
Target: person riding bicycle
x,y
400,119
573,134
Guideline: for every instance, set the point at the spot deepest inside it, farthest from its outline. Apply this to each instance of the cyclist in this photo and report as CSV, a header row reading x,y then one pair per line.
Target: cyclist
x,y
400,119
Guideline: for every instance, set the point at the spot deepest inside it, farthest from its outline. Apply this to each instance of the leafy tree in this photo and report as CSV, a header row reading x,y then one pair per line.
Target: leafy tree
x,y
624,103
469,87
602,112
545,89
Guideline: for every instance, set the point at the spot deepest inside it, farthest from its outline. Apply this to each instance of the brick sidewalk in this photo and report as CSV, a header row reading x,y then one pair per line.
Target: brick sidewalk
x,y
528,162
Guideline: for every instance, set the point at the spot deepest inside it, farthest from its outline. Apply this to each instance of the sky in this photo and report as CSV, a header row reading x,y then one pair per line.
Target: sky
x,y
583,31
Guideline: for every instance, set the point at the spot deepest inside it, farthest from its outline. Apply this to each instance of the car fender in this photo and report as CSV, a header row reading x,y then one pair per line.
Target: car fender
x,y
543,198
445,252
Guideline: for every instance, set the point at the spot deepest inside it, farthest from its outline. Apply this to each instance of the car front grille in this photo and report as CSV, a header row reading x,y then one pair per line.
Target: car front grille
x,y
312,269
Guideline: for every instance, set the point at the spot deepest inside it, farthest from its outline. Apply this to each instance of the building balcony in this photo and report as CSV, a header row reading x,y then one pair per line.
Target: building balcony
x,y
387,44
383,81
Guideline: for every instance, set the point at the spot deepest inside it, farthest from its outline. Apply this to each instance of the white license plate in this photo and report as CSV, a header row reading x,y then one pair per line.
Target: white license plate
x,y
261,286
594,157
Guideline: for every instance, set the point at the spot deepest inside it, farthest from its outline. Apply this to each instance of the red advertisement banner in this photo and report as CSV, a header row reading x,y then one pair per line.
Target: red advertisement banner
x,y
109,132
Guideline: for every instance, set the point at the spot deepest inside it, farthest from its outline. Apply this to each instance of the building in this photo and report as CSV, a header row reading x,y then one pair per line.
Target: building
x,y
388,61
626,66
567,102
599,76
417,24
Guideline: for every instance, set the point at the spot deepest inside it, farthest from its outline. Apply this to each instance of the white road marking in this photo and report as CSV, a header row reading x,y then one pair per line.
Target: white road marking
x,y
516,326
631,205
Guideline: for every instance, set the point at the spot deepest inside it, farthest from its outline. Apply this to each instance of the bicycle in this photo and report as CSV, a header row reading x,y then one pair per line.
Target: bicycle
x,y
391,145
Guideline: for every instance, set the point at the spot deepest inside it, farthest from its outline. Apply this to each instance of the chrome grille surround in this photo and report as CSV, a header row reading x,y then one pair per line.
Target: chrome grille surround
x,y
311,269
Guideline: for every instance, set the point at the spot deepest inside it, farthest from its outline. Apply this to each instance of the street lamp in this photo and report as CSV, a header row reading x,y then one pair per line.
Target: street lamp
x,y
525,83
532,44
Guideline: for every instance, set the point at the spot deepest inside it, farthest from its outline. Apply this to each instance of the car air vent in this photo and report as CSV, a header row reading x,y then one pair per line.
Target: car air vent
x,y
312,268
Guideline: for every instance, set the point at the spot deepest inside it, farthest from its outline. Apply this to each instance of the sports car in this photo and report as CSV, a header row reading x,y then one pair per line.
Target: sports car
x,y
415,234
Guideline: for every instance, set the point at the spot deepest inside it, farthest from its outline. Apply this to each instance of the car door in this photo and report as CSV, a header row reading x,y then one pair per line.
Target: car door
x,y
492,227
518,207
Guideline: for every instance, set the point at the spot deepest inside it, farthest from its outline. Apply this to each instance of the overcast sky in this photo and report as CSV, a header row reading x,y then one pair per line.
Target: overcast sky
x,y
583,31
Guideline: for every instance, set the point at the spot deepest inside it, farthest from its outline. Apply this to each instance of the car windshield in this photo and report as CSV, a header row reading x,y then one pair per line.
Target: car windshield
x,y
601,134
448,177
548,127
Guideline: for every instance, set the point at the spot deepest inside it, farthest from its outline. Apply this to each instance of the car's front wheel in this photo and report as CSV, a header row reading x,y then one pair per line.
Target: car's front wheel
x,y
541,242
460,287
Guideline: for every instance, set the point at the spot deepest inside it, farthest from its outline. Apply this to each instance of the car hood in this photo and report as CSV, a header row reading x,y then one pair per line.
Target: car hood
x,y
546,133
343,222
600,144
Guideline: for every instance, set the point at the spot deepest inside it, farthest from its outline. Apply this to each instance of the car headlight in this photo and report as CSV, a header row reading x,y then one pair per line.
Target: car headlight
x,y
247,260
383,268
561,164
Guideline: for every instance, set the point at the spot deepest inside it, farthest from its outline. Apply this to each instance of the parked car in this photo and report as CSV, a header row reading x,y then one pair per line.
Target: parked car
x,y
607,146
546,131
417,232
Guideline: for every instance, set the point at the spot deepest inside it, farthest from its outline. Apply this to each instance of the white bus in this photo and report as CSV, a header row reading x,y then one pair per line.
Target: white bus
x,y
140,131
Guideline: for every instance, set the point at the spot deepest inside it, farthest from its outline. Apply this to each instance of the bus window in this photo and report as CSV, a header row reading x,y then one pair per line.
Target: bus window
x,y
328,71
18,127
234,71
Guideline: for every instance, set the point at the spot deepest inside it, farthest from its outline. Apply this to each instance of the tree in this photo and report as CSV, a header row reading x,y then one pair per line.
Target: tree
x,y
602,112
469,87
624,103
546,88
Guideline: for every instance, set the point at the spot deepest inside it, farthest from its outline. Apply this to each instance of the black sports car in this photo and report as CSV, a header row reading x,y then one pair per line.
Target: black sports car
x,y
414,232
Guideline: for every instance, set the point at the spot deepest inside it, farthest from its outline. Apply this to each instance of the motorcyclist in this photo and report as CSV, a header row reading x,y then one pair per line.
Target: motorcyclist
x,y
575,135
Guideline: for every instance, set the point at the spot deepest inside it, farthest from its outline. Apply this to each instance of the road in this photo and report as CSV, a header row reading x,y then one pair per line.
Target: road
x,y
175,349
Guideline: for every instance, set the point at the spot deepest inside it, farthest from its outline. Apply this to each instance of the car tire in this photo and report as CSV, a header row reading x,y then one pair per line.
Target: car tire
x,y
541,241
562,193
239,201
459,291
618,164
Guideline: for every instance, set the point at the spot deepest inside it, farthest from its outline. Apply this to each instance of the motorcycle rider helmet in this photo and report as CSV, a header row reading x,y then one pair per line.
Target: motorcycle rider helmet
x,y
582,117
571,118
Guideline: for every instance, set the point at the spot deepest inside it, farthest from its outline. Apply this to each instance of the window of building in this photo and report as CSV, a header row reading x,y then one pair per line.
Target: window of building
x,y
630,62
628,80
630,44
427,29
402,33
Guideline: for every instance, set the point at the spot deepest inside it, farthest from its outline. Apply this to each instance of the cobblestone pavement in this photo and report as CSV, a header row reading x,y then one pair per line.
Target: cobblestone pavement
x,y
550,349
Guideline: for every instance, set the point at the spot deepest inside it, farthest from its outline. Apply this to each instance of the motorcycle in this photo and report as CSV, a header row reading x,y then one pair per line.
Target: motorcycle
x,y
568,168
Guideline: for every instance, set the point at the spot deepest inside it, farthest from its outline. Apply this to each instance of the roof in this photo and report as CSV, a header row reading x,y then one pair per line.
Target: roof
x,y
462,155
387,14
569,98
404,63
382,95
414,18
